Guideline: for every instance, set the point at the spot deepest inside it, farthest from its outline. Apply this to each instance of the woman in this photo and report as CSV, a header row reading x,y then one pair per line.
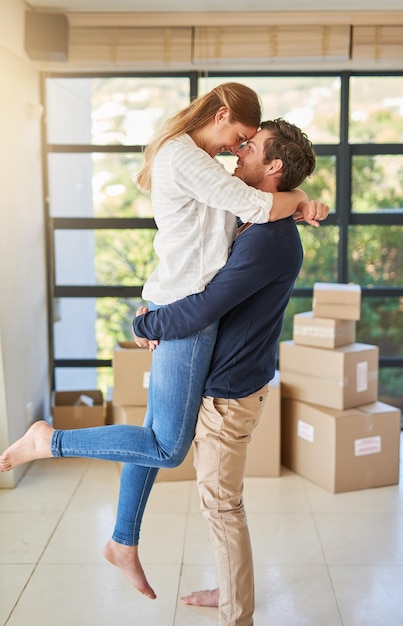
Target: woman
x,y
195,201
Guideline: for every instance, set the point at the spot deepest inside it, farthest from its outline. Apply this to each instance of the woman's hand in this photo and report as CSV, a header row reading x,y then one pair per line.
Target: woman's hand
x,y
151,344
312,212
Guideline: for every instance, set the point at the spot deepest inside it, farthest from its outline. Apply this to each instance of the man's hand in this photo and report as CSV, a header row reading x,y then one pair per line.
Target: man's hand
x,y
141,341
311,212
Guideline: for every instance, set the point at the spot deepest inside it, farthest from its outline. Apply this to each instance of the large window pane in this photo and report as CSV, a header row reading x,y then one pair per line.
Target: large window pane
x,y
310,102
376,255
322,184
89,328
376,113
104,257
96,185
107,111
74,330
320,255
73,378
377,183
390,388
381,325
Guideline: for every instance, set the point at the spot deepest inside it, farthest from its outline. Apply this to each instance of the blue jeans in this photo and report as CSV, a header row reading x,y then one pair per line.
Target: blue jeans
x,y
178,373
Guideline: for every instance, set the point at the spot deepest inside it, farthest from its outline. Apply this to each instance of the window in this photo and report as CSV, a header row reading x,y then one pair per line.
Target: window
x,y
101,225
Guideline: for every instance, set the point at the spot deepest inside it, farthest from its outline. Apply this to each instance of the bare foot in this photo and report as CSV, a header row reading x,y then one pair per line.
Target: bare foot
x,y
207,597
126,558
35,444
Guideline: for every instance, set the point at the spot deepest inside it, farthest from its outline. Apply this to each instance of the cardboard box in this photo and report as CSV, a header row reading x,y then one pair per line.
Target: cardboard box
x,y
131,373
342,450
341,378
264,453
78,409
322,332
133,415
337,301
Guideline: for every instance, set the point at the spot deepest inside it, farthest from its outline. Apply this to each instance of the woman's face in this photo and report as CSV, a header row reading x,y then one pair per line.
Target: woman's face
x,y
226,136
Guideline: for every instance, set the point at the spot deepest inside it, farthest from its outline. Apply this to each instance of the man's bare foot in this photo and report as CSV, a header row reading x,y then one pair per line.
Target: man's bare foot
x,y
207,597
126,558
35,444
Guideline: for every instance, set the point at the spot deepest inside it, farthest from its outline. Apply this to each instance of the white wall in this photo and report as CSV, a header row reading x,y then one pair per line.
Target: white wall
x,y
24,363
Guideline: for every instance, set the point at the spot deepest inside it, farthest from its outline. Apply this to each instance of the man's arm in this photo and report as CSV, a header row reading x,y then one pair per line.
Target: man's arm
x,y
246,271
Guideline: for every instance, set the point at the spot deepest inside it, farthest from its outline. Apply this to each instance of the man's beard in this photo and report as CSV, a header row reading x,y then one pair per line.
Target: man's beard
x,y
253,178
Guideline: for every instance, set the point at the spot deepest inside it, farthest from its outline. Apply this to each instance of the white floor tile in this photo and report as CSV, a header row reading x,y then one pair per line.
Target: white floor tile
x,y
13,579
361,538
25,536
369,596
295,595
285,494
284,538
78,595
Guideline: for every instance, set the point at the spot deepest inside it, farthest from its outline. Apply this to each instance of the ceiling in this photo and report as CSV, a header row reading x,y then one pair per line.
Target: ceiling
x,y
131,6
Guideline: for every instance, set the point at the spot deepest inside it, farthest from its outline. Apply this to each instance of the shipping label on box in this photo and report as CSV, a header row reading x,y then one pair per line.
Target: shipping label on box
x,y
368,445
341,378
357,448
322,332
337,301
131,374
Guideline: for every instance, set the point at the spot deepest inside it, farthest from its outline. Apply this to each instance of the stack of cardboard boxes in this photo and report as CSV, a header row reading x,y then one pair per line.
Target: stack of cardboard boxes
x,y
334,430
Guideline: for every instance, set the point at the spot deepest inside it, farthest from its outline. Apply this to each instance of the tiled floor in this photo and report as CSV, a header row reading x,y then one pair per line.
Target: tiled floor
x,y
320,559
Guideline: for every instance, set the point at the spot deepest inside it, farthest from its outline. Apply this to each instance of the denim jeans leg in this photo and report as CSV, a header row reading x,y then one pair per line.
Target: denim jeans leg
x,y
176,386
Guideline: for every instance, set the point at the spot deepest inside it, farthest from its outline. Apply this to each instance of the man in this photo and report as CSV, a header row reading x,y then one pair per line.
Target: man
x,y
250,295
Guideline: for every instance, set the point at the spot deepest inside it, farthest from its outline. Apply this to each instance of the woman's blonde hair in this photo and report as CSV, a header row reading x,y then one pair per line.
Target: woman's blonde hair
x,y
242,102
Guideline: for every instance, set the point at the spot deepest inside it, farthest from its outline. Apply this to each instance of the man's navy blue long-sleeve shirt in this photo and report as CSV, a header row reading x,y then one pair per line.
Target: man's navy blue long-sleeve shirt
x,y
249,294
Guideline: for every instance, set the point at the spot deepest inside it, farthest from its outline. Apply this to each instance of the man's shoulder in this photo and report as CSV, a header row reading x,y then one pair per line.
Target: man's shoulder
x,y
270,230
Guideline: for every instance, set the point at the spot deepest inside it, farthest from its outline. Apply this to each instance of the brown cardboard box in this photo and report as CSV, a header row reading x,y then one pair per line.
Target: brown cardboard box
x,y
108,407
322,332
264,448
73,409
342,450
133,415
341,378
131,373
337,301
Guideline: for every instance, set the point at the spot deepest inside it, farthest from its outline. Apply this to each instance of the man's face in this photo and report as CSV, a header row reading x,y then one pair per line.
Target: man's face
x,y
249,167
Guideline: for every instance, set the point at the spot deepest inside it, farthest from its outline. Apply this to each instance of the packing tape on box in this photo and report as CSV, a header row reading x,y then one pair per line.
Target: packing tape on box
x,y
314,331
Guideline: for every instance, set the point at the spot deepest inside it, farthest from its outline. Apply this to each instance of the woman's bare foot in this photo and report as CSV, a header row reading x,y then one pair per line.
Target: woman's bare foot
x,y
35,444
207,597
126,558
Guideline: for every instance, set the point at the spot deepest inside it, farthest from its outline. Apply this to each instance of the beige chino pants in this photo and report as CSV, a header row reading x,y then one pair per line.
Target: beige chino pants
x,y
223,432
